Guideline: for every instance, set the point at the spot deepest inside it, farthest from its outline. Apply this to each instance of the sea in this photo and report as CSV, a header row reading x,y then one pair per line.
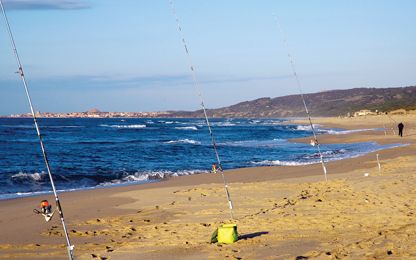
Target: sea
x,y
99,153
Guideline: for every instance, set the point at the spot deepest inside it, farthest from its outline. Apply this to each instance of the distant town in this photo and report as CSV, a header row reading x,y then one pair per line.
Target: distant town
x,y
343,103
93,113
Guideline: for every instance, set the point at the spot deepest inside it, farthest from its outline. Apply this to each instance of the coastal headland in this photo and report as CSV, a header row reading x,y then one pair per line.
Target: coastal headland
x,y
282,212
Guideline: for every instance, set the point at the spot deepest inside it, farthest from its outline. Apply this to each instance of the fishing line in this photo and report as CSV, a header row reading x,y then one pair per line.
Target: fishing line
x,y
299,85
393,125
45,157
199,92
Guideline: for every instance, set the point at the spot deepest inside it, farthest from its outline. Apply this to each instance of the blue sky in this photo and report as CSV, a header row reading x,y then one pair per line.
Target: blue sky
x,y
126,55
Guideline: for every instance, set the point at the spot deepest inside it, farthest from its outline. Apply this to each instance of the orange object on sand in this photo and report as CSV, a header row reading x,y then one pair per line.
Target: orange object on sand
x,y
44,203
214,168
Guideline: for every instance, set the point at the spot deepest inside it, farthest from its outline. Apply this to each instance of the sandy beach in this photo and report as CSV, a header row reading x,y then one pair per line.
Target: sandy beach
x,y
282,212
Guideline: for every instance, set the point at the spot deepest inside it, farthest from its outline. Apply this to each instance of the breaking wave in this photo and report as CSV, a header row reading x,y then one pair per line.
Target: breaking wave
x,y
224,124
306,127
344,132
280,163
33,177
183,141
135,126
186,128
148,176
254,143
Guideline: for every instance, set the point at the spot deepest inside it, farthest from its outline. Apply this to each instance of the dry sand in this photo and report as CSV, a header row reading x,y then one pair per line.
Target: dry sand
x,y
281,212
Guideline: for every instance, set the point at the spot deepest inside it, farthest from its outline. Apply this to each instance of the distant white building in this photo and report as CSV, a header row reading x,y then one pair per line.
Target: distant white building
x,y
364,112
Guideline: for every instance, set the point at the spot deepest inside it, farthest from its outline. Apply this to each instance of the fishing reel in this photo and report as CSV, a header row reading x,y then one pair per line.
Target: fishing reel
x,y
45,210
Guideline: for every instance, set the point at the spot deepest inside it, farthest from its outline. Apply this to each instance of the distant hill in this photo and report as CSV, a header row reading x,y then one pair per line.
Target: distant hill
x,y
327,103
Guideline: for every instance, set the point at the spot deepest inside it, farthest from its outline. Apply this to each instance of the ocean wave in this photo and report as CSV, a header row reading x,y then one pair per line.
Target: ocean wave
x,y
33,177
329,154
344,132
265,122
224,124
141,177
183,141
254,143
318,128
186,128
280,163
171,122
135,126
19,126
307,127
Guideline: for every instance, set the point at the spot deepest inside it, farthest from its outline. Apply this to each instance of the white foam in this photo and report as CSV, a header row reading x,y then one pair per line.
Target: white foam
x,y
183,141
33,176
265,122
344,132
226,124
136,126
170,122
281,163
307,127
187,128
149,176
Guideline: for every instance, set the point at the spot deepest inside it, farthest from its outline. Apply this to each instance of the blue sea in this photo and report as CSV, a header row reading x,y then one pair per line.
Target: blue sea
x,y
90,153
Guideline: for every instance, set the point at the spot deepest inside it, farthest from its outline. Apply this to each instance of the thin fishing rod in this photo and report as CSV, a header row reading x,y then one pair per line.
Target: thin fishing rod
x,y
391,118
199,92
45,157
395,123
292,65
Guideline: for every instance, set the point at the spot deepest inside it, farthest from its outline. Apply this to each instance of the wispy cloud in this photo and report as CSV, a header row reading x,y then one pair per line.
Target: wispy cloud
x,y
147,79
46,4
124,81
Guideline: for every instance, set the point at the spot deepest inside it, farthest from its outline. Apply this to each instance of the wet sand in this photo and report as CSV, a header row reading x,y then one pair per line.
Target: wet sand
x,y
281,212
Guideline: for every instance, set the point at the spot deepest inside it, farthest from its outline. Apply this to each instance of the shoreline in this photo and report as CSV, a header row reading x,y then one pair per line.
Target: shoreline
x,y
324,139
157,218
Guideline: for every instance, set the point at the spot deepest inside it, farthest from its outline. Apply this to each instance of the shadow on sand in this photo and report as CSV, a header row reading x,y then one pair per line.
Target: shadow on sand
x,y
252,235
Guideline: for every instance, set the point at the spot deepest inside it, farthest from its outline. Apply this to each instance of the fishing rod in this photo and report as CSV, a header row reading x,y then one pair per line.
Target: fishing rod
x,y
299,85
395,123
70,247
199,92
